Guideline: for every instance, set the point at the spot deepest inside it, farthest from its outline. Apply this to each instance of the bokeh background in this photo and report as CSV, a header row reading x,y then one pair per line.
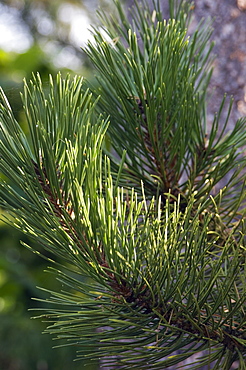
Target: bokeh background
x,y
46,37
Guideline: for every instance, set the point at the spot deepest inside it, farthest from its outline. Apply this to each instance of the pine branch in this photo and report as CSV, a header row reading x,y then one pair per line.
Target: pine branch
x,y
153,254
154,90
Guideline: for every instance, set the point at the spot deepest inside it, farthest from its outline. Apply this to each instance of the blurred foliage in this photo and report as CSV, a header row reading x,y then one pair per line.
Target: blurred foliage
x,y
51,35
14,67
22,346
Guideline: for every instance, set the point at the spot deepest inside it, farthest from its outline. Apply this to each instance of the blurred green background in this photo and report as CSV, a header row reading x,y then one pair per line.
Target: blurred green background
x,y
46,37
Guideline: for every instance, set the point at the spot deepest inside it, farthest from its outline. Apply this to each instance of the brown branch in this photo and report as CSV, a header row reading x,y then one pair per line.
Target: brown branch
x,y
165,172
59,208
227,336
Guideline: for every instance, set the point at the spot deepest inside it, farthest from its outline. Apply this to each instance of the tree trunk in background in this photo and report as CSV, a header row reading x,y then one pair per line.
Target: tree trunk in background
x,y
229,75
230,64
